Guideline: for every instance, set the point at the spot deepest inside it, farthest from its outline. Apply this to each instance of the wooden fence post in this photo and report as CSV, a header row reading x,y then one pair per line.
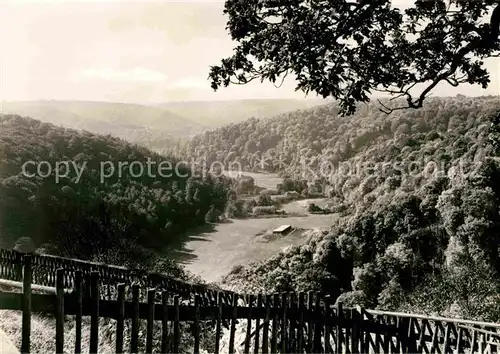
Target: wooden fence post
x,y
367,334
134,340
197,324
257,324
274,329
317,326
327,328
151,320
164,322
176,324
79,311
60,311
26,319
310,344
284,323
120,318
265,334
459,339
355,331
291,326
218,323
338,329
300,330
249,325
233,322
94,317
18,266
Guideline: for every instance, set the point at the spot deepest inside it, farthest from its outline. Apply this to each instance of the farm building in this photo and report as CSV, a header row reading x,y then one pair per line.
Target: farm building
x,y
282,230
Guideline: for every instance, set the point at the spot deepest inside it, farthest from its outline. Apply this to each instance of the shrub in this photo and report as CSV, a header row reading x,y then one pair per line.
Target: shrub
x,y
263,210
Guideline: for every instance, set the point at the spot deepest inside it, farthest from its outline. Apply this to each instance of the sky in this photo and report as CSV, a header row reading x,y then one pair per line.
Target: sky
x,y
140,52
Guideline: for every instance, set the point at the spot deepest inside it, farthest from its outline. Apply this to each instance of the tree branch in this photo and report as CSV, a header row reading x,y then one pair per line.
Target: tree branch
x,y
488,42
282,80
495,25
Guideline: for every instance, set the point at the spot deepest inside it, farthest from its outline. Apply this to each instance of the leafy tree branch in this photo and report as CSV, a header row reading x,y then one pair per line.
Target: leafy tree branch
x,y
347,50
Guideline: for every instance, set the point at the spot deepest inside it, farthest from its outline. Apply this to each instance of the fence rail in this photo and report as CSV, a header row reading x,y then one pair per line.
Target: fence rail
x,y
44,273
435,334
277,323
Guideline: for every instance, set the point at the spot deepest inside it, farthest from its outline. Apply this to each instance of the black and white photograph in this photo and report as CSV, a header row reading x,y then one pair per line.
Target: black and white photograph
x,y
250,176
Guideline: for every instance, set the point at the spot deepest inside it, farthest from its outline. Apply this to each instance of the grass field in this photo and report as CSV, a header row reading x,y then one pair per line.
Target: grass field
x,y
212,253
43,334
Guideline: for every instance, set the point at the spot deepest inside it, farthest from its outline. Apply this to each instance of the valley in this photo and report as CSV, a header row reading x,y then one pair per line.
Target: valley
x,y
160,125
370,131
399,238
211,252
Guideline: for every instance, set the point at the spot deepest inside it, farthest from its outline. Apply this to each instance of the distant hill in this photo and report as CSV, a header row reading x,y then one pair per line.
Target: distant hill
x,y
218,113
154,126
133,122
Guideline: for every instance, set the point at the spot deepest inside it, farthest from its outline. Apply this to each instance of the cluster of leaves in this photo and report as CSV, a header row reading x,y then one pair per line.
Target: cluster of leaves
x,y
349,49
93,217
407,232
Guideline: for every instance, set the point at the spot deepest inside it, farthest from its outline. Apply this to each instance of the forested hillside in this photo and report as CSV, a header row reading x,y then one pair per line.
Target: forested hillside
x,y
113,219
286,142
150,126
418,237
153,126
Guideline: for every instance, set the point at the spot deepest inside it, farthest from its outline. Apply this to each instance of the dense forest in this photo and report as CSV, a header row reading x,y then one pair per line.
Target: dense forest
x,y
289,141
114,219
423,231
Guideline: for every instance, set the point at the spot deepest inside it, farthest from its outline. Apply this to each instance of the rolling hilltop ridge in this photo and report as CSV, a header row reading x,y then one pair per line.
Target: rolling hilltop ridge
x,y
133,122
348,209
153,125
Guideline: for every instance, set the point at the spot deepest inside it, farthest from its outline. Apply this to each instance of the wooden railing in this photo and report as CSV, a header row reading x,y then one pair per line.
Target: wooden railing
x,y
276,323
426,334
283,323
44,273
